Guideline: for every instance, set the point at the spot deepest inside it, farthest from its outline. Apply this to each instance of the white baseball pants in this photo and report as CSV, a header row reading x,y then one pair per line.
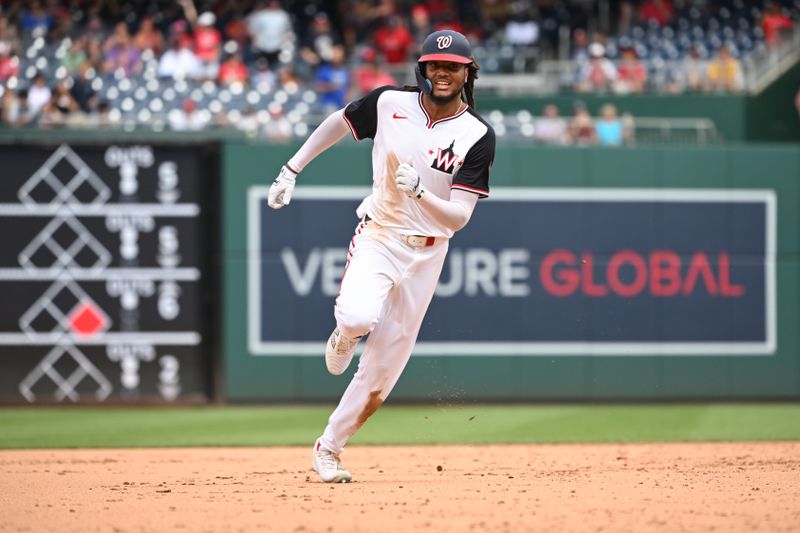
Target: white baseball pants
x,y
386,289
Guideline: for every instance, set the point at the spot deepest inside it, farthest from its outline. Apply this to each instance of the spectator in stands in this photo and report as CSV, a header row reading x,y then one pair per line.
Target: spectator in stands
x,y
445,16
288,78
270,30
75,55
95,31
120,53
148,37
580,47
94,51
14,109
179,62
249,122
599,74
8,35
321,43
235,29
522,31
60,106
278,128
420,23
625,16
180,30
35,20
774,24
371,74
393,40
632,74
188,118
724,73
82,90
609,128
233,70
688,75
661,11
39,95
332,81
581,128
550,128
493,15
362,18
262,76
100,117
208,45
9,63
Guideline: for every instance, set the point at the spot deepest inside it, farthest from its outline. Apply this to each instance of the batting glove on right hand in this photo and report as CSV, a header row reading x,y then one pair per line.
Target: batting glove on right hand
x,y
408,181
280,192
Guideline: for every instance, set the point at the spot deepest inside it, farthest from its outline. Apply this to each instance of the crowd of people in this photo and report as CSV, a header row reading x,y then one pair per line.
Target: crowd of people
x,y
52,51
610,128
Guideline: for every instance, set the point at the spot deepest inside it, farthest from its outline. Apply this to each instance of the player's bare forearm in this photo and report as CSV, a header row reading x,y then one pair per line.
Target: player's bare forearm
x,y
331,131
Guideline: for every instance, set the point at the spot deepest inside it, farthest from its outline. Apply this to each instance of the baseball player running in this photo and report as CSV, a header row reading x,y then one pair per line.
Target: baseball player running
x,y
431,157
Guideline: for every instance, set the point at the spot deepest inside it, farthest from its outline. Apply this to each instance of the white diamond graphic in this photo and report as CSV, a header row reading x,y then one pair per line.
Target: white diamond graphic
x,y
64,188
65,385
65,256
59,304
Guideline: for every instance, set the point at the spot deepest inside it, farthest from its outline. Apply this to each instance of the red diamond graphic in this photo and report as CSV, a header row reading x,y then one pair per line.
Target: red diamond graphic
x,y
87,320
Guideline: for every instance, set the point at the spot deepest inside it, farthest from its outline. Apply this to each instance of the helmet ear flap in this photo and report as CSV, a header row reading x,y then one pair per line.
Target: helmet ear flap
x,y
424,83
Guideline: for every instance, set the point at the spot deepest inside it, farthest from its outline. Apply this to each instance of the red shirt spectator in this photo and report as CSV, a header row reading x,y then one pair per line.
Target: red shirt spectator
x,y
371,74
773,22
233,70
632,74
394,40
9,65
207,39
661,11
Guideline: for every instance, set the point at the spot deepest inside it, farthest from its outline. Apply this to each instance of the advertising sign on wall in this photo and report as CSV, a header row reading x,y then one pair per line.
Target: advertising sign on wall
x,y
542,271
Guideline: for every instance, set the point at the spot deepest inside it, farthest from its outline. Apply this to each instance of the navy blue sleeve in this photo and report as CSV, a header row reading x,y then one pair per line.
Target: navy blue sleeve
x,y
473,176
362,114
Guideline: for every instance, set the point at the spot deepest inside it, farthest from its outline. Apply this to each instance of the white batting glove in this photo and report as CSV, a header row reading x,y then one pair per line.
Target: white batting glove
x,y
408,181
280,192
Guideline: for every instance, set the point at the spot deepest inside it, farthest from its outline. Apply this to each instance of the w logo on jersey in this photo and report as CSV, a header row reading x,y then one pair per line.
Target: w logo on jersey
x,y
446,160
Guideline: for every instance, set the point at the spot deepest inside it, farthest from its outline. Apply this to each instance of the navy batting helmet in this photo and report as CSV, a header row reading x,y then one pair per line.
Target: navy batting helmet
x,y
446,45
443,45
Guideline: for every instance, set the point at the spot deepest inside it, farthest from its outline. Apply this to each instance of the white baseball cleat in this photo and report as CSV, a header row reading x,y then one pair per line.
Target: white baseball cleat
x,y
339,352
330,470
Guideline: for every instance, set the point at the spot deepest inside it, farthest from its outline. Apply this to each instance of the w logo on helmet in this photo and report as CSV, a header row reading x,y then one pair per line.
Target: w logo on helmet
x,y
444,41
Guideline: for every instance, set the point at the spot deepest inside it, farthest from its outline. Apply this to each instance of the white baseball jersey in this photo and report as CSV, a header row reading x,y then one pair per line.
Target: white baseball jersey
x,y
454,152
388,282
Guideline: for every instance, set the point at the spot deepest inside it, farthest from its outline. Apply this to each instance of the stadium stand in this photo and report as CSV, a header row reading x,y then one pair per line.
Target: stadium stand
x,y
161,65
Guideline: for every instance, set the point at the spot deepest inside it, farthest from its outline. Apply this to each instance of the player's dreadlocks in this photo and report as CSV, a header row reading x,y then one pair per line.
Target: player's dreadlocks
x,y
469,86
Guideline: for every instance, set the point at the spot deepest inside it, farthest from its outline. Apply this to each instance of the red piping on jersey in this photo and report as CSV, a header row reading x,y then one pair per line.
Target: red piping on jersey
x,y
431,123
350,254
352,129
469,189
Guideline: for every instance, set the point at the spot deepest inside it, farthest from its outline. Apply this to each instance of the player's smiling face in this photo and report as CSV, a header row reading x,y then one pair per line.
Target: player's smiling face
x,y
447,78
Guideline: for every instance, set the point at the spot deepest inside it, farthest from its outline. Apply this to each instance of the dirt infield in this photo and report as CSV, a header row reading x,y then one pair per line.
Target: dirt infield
x,y
663,487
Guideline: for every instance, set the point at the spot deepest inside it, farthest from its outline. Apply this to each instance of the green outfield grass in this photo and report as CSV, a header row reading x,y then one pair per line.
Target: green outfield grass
x,y
82,427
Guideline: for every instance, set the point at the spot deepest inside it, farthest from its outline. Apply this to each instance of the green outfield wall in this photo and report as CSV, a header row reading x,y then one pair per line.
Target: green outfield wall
x,y
732,208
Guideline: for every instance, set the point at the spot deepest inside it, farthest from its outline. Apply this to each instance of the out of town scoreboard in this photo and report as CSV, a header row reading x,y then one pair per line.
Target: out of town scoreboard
x,y
102,273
